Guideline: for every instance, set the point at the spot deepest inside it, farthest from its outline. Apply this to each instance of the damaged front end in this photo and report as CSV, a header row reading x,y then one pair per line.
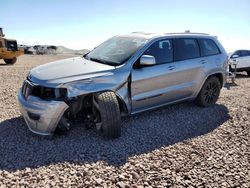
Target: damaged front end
x,y
45,108
41,107
42,117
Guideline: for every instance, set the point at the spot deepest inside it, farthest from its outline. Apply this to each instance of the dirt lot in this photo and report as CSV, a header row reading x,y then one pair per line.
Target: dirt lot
x,y
180,145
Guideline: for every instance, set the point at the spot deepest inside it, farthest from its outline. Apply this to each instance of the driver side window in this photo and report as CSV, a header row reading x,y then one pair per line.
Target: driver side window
x,y
162,51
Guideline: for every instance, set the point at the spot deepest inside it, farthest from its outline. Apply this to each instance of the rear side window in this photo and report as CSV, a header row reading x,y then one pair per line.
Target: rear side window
x,y
162,51
208,47
186,49
244,53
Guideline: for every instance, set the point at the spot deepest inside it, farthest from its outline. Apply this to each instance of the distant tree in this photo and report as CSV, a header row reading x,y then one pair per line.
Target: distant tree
x,y
36,47
51,49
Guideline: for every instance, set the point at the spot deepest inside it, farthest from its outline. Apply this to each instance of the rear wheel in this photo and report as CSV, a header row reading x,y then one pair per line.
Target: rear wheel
x,y
108,122
10,61
209,93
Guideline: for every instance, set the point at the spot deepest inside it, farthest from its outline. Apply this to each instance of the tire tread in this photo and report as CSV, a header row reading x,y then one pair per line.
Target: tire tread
x,y
110,114
199,100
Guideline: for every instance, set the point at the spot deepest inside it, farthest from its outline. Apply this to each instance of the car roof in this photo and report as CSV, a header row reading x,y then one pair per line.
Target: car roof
x,y
156,35
242,50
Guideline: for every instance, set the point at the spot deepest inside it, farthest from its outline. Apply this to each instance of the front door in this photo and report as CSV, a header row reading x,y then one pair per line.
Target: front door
x,y
155,85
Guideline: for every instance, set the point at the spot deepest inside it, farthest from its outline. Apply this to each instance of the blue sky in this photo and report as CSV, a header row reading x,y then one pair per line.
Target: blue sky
x,y
82,24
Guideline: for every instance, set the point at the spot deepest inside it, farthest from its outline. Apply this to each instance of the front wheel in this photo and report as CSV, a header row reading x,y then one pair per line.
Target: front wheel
x,y
209,92
10,61
109,120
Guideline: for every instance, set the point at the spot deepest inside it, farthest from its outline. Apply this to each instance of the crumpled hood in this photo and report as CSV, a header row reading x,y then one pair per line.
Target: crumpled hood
x,y
68,70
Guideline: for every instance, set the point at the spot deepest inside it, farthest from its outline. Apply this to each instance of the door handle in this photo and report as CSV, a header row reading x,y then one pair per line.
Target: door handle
x,y
171,67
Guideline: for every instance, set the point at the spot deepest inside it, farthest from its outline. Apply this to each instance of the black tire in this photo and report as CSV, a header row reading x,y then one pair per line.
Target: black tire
x,y
209,92
109,114
10,61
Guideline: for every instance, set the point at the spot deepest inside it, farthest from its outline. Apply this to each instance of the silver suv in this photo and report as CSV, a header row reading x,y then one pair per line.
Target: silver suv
x,y
125,75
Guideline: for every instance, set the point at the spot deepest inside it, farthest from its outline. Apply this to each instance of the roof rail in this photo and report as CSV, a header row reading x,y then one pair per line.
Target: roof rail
x,y
138,32
142,32
188,32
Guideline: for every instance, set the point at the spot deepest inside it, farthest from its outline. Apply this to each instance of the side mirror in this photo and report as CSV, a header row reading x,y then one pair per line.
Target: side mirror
x,y
147,60
235,56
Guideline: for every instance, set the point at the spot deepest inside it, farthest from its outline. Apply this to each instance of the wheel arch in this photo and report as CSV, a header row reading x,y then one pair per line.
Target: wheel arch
x,y
122,105
217,75
124,109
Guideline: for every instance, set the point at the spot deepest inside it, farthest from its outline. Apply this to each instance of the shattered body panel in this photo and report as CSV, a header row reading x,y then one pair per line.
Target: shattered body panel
x,y
85,77
41,116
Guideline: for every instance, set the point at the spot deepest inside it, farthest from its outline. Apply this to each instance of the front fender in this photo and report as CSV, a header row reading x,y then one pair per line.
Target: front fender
x,y
119,85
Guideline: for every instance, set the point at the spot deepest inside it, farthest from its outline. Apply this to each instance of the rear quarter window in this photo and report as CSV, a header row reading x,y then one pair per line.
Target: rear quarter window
x,y
208,47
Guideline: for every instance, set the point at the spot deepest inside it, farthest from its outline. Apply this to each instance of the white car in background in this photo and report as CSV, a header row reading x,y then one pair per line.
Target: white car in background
x,y
242,59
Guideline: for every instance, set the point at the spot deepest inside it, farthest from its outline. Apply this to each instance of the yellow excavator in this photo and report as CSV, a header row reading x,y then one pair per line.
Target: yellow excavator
x,y
8,49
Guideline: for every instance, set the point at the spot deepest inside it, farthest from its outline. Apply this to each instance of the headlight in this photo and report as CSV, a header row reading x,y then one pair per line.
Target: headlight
x,y
48,93
61,93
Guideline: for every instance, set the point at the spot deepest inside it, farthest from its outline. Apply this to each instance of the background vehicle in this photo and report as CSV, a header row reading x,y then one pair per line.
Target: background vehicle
x,y
125,75
8,49
242,59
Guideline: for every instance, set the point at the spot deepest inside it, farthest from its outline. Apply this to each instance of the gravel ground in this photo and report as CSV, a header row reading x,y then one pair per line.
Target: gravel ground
x,y
180,145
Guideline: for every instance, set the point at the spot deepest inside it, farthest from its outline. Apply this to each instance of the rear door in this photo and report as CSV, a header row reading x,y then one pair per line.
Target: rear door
x,y
210,54
191,65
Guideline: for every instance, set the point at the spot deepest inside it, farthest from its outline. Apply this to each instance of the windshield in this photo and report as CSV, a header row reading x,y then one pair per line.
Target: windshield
x,y
116,50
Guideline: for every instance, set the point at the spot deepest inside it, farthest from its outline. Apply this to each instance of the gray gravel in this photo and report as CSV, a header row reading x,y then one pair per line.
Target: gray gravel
x,y
181,145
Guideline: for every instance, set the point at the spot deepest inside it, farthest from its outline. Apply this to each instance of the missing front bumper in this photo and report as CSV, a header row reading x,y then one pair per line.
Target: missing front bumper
x,y
42,117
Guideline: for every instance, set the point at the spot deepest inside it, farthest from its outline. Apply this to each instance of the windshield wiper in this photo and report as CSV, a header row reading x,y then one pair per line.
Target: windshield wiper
x,y
97,60
104,62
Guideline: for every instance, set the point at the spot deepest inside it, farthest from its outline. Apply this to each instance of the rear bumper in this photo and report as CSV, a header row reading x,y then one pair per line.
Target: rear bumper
x,y
42,117
5,54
